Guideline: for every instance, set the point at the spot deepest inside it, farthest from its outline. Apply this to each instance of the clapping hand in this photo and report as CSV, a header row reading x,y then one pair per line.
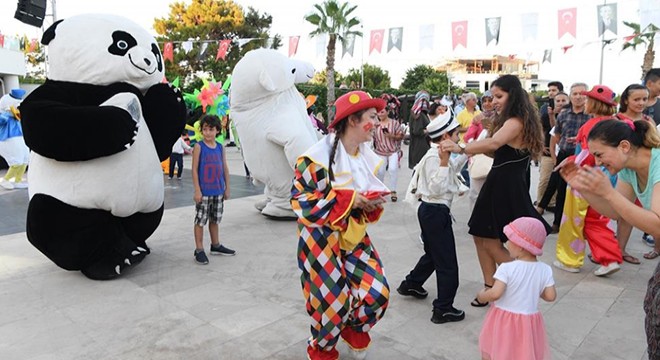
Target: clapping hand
x,y
587,179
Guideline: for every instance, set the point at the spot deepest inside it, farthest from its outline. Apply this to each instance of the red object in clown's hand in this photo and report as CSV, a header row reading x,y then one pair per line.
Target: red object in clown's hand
x,y
373,195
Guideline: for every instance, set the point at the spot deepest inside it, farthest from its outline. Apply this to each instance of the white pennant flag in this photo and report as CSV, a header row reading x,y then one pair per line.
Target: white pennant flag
x,y
242,42
426,36
187,46
321,45
649,11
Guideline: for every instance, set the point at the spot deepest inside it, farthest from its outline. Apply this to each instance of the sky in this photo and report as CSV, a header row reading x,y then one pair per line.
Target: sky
x,y
580,63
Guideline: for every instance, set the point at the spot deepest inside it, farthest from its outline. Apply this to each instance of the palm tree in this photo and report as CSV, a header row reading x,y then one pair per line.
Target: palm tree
x,y
638,38
334,19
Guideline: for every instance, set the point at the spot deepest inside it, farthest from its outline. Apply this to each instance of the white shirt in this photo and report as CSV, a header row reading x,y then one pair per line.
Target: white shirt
x,y
438,184
525,281
179,146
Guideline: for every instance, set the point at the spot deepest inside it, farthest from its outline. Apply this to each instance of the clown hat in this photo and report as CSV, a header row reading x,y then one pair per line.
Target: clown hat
x,y
353,102
527,232
310,100
441,125
601,93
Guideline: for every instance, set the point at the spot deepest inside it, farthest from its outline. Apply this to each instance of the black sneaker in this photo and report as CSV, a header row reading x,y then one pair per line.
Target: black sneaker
x,y
406,289
444,316
200,257
221,250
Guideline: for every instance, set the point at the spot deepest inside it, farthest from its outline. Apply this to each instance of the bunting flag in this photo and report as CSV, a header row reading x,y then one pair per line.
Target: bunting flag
x,y
459,33
426,37
376,40
223,48
567,22
348,45
2,41
530,26
493,30
547,56
322,44
395,38
202,50
187,46
293,45
649,13
242,42
168,51
34,44
606,18
566,48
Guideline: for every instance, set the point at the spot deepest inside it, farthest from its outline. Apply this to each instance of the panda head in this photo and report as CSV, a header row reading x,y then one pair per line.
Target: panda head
x,y
103,49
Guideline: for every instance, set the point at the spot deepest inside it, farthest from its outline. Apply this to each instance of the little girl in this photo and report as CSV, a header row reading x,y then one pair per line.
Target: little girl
x,y
514,327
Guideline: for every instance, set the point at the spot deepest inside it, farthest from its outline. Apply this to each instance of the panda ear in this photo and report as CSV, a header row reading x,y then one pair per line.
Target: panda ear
x,y
49,34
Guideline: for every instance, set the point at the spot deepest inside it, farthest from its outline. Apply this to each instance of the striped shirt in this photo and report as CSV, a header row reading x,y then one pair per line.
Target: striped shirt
x,y
386,146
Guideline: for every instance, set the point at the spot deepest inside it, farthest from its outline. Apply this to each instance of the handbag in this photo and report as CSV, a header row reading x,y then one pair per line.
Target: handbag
x,y
480,166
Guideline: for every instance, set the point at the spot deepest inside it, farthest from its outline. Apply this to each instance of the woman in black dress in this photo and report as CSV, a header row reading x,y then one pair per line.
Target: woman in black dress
x,y
517,137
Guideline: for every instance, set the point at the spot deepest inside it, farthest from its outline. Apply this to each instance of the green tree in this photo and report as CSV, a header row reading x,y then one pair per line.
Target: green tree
x,y
208,22
425,77
335,20
375,78
642,38
321,77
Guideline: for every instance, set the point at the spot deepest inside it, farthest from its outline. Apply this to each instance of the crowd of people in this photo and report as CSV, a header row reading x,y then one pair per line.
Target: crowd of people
x,y
598,162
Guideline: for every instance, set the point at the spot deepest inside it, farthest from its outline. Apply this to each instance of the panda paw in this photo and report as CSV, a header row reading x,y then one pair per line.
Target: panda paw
x,y
112,267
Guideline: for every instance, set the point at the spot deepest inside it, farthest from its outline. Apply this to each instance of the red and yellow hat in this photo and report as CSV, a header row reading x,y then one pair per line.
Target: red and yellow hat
x,y
353,102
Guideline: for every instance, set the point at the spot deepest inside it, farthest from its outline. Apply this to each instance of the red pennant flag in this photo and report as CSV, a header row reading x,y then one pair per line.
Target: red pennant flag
x,y
2,41
566,48
376,42
629,38
223,48
459,33
33,45
168,51
567,21
293,45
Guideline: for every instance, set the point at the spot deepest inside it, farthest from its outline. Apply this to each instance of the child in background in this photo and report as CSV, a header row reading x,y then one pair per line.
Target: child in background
x,y
211,181
178,149
514,328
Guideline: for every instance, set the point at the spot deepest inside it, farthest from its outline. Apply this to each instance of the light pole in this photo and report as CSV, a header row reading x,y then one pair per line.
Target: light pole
x,y
362,59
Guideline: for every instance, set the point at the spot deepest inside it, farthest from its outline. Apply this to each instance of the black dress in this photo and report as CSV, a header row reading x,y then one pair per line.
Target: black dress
x,y
504,196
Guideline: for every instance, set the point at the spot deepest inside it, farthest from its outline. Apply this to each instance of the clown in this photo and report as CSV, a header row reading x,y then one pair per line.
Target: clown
x,y
336,195
12,145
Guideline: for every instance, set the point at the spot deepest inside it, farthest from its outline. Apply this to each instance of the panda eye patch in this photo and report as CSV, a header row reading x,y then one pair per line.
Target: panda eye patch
x,y
121,43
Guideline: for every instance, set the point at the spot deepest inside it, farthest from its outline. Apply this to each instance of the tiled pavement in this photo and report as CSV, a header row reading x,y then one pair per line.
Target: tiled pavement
x,y
250,306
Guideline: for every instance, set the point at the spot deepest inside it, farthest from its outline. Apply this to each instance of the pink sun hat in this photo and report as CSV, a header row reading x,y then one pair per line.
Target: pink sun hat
x,y
528,233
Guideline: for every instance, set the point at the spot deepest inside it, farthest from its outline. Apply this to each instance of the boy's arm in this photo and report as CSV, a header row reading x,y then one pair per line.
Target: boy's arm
x,y
197,197
225,173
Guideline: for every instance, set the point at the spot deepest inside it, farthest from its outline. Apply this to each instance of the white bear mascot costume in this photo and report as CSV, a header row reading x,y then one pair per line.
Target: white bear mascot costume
x,y
272,123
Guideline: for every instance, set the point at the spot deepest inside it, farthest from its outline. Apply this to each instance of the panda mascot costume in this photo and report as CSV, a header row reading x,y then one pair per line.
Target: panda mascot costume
x,y
98,129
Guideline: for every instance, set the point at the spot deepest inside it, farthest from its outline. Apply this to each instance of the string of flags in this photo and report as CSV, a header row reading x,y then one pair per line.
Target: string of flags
x,y
18,43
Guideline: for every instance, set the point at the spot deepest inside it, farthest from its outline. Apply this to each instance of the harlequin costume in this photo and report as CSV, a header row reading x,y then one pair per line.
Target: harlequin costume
x,y
580,221
343,280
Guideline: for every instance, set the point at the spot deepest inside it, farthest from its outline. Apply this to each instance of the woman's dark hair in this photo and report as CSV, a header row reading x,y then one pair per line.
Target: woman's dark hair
x,y
340,129
518,105
433,108
623,104
211,121
612,131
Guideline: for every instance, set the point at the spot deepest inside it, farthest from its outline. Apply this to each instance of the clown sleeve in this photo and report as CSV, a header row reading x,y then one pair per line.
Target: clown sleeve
x,y
314,202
